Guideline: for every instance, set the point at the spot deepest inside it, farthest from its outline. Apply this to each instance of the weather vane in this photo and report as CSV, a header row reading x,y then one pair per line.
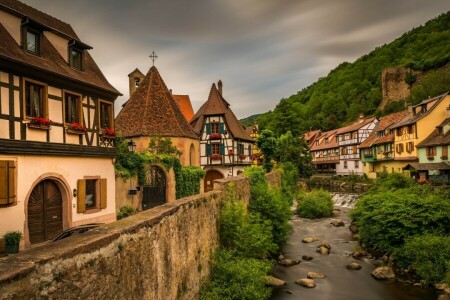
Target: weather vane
x,y
153,57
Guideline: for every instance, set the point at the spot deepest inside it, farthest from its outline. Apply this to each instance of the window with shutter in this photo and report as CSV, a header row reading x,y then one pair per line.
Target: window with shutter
x,y
221,128
222,149
208,128
81,196
445,152
103,193
208,149
7,183
92,195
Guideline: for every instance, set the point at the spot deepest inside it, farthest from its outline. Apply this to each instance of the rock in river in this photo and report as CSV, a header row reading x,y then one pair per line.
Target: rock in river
x,y
309,239
354,266
274,282
309,283
337,223
286,262
323,250
359,253
383,273
307,257
314,275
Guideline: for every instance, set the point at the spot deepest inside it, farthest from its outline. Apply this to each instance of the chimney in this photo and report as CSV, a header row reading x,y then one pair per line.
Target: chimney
x,y
409,110
361,118
170,92
219,85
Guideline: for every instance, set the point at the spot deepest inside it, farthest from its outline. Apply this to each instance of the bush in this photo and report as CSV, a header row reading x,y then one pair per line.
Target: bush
x,y
188,181
388,217
237,278
429,255
247,234
317,204
289,181
393,181
125,211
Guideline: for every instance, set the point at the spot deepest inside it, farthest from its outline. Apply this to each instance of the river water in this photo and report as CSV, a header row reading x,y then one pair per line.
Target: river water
x,y
340,284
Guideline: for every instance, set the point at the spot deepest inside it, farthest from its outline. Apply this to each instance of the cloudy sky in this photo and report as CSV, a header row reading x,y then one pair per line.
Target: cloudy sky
x,y
262,50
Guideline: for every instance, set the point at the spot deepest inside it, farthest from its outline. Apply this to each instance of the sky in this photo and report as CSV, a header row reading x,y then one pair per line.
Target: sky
x,y
262,50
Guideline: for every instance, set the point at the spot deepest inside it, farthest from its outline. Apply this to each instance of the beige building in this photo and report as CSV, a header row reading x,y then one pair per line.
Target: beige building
x,y
56,162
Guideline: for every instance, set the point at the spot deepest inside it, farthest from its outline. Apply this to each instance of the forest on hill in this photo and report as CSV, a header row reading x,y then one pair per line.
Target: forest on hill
x,y
354,88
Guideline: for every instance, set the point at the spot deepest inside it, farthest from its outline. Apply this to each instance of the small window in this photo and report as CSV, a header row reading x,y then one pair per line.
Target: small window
x,y
106,115
356,164
72,106
76,58
32,41
431,151
345,165
214,127
92,195
34,100
215,148
137,80
7,183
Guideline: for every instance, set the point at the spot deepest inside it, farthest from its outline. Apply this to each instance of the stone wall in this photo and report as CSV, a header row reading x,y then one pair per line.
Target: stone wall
x,y
274,178
394,86
162,253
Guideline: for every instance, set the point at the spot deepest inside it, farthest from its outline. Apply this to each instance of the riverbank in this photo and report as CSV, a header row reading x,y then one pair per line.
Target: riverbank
x,y
340,283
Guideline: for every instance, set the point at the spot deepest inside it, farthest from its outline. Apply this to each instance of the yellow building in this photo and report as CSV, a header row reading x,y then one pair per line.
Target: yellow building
x,y
253,132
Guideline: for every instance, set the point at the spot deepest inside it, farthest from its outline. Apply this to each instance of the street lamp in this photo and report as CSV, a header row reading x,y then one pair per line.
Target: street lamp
x,y
132,148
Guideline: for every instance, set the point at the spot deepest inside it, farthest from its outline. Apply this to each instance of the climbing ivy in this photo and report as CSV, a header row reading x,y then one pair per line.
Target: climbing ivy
x,y
188,181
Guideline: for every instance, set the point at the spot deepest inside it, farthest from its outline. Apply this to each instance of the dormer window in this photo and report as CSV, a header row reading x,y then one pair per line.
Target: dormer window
x,y
137,80
32,42
76,58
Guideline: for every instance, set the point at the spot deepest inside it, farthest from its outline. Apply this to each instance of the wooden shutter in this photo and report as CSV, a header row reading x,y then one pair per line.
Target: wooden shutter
x,y
222,149
3,182
11,183
103,193
208,128
445,151
208,149
221,128
81,196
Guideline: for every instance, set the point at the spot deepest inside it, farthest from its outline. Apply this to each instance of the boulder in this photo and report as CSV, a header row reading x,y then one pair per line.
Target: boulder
x,y
337,223
359,254
275,282
309,283
286,262
323,250
289,292
354,266
325,244
314,275
307,257
383,273
353,228
309,239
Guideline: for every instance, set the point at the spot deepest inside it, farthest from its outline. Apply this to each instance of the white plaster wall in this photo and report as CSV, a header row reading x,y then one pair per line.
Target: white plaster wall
x,y
350,168
11,24
4,95
29,171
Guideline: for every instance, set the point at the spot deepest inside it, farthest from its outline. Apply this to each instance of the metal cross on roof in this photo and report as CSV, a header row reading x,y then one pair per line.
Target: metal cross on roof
x,y
153,57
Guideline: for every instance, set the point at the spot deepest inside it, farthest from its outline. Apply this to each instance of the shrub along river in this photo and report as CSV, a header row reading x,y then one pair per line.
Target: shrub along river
x,y
340,283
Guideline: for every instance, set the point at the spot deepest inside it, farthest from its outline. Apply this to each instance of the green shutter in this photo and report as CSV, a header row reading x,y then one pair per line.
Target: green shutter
x,y
221,128
222,149
208,149
208,128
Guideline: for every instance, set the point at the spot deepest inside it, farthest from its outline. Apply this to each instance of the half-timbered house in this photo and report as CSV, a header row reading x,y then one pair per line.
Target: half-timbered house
x,y
56,167
225,146
349,138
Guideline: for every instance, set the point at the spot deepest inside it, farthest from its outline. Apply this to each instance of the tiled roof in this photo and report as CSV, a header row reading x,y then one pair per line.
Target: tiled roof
x,y
429,166
384,123
184,103
437,138
53,23
420,115
152,111
332,143
50,60
310,134
217,105
355,126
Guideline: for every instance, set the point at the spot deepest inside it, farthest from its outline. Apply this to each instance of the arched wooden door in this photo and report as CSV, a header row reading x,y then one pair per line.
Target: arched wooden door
x,y
209,179
45,212
155,188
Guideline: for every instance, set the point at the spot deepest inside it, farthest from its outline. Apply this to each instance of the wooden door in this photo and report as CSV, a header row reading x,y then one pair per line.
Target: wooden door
x,y
209,179
44,212
154,189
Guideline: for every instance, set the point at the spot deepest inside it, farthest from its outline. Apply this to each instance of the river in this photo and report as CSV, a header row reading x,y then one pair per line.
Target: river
x,y
340,284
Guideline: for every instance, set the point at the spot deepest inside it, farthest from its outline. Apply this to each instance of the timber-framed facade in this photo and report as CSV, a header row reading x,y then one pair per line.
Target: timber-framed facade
x,y
56,162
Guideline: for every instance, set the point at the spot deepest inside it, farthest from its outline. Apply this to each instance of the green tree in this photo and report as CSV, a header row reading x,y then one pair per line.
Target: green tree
x,y
159,145
267,143
295,150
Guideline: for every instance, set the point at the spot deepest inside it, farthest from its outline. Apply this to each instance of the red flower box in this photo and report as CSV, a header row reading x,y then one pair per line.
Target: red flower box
x,y
242,156
107,132
215,156
40,123
215,136
76,127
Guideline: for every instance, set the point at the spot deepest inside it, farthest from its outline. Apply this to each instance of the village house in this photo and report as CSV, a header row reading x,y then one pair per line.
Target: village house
x,y
152,112
377,151
420,123
56,128
325,152
256,156
225,147
434,164
349,138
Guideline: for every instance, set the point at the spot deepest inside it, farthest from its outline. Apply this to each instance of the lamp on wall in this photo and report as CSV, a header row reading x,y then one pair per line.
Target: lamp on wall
x,y
74,193
132,148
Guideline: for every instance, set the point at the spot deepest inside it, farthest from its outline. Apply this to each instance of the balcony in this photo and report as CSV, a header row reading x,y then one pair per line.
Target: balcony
x,y
349,156
348,142
386,155
331,158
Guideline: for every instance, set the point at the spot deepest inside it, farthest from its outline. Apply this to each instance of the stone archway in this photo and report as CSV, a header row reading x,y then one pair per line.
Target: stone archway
x,y
155,188
210,176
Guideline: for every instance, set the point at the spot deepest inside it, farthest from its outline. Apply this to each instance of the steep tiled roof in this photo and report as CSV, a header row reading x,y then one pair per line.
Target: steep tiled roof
x,y
437,137
355,126
217,105
332,143
184,103
384,123
152,111
53,23
420,115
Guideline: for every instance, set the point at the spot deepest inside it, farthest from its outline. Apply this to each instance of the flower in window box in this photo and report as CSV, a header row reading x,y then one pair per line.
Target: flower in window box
x,y
76,127
215,156
230,152
242,156
107,132
40,123
214,136
423,180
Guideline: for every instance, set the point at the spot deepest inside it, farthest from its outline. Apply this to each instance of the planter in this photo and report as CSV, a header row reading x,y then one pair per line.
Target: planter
x,y
38,126
215,136
11,249
430,157
216,157
72,131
